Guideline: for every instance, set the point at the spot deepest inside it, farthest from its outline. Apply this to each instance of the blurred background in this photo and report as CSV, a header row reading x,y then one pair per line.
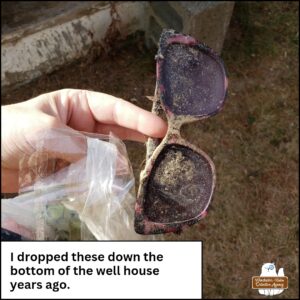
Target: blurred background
x,y
110,47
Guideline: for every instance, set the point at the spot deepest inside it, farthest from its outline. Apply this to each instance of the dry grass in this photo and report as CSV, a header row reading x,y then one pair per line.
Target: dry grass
x,y
254,143
253,218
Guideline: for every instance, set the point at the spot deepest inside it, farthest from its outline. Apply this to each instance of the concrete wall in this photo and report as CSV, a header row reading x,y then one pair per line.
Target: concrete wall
x,y
39,37
37,48
205,20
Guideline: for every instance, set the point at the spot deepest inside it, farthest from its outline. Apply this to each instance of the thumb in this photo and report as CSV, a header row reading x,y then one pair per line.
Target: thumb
x,y
49,149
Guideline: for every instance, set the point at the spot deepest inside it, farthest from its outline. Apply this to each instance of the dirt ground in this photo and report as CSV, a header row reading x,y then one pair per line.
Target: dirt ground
x,y
253,141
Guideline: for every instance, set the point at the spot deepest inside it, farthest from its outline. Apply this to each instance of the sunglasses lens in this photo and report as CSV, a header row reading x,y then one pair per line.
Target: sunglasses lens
x,y
192,80
179,187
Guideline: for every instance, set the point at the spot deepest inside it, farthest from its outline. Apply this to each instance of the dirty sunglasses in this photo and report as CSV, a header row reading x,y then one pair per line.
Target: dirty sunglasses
x,y
178,181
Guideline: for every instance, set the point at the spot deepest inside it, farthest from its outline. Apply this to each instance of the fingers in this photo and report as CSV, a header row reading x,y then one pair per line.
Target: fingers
x,y
111,110
82,110
10,181
121,132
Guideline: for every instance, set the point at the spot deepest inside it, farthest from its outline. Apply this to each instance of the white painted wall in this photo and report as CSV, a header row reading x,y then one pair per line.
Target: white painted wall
x,y
27,57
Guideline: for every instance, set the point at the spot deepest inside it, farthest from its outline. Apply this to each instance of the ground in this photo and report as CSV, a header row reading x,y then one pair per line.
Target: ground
x,y
253,141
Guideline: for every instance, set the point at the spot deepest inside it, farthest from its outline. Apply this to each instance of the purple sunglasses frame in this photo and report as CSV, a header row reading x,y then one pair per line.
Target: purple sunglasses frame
x,y
142,223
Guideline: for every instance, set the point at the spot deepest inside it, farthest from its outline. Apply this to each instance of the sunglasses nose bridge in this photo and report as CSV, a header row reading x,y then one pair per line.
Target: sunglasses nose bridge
x,y
174,125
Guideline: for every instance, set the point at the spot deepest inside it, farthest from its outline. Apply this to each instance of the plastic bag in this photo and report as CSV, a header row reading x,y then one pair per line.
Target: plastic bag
x,y
73,186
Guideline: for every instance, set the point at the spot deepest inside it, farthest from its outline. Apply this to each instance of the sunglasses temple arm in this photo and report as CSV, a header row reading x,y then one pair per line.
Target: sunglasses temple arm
x,y
152,143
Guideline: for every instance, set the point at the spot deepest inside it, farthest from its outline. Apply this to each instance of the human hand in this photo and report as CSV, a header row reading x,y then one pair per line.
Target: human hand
x,y
72,110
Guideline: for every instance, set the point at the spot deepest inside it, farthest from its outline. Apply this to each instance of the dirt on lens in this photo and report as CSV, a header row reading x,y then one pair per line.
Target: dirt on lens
x,y
179,186
253,217
193,80
172,167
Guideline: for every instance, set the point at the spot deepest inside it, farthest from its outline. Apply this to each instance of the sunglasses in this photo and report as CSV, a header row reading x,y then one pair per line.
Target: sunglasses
x,y
177,184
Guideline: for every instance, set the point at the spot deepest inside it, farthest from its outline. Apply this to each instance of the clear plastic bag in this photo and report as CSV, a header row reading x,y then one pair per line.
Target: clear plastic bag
x,y
73,186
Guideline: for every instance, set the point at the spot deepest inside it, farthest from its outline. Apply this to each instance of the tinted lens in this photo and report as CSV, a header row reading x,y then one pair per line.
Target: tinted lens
x,y
179,187
193,80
